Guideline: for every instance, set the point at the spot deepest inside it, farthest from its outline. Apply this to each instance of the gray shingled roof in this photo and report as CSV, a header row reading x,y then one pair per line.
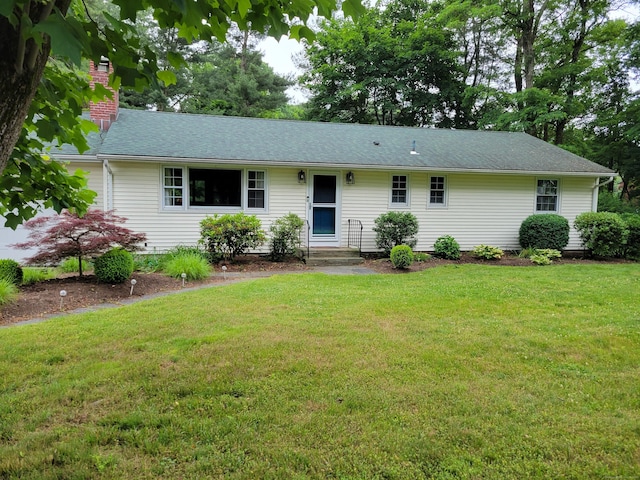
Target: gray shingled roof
x,y
178,136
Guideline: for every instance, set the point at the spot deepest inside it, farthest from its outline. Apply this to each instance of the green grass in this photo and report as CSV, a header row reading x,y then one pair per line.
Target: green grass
x,y
456,372
37,274
71,265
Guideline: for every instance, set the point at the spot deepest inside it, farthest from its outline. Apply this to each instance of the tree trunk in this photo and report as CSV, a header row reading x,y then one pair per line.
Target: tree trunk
x,y
576,53
79,265
518,68
529,34
21,68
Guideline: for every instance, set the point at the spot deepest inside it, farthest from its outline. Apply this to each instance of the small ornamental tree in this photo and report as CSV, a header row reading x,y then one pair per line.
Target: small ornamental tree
x,y
66,235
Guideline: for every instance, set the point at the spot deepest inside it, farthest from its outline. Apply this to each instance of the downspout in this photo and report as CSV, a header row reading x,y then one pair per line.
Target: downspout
x,y
596,188
108,186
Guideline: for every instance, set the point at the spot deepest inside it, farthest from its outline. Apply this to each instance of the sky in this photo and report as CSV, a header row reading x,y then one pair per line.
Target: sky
x,y
278,54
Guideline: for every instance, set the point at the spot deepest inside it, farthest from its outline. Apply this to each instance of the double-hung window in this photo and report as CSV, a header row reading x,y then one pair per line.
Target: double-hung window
x,y
173,188
214,188
437,192
547,195
255,189
399,190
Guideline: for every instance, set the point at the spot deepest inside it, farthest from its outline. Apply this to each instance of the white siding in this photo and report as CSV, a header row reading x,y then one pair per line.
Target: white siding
x,y
481,208
95,180
138,197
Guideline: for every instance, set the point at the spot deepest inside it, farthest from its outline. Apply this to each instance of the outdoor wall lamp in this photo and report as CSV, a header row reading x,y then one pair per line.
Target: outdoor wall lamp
x,y
302,177
350,178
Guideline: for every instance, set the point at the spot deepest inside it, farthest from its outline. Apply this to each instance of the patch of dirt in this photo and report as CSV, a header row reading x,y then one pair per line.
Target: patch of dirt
x,y
43,298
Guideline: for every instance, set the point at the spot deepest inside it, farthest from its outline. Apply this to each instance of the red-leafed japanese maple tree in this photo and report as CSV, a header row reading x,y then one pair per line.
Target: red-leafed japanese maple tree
x,y
66,235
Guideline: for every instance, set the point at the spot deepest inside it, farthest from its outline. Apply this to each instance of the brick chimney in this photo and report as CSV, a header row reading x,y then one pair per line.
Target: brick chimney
x,y
103,113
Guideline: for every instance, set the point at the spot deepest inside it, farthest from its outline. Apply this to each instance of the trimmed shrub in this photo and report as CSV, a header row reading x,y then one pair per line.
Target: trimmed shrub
x,y
115,266
395,228
545,230
632,247
401,256
285,236
8,291
11,270
447,247
193,264
487,252
228,236
604,234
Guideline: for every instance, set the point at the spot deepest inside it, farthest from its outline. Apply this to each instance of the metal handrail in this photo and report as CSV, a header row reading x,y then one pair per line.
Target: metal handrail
x,y
307,238
354,234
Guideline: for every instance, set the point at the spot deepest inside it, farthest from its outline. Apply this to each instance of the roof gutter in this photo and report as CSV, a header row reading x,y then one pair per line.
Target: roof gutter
x,y
596,188
351,166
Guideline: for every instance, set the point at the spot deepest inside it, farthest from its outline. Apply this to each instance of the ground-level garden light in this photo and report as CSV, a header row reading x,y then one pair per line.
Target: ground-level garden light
x,y
133,284
184,277
63,293
224,272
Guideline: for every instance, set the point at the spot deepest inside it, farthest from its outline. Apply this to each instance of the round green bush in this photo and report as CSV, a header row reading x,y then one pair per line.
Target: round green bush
x,y
401,256
11,271
544,230
632,249
395,228
604,234
115,266
446,247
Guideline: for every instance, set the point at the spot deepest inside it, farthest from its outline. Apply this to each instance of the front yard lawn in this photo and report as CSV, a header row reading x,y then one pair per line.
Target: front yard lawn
x,y
464,371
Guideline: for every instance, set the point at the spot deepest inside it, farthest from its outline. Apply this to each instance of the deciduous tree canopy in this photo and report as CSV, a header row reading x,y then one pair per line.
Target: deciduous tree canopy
x,y
556,69
68,235
41,102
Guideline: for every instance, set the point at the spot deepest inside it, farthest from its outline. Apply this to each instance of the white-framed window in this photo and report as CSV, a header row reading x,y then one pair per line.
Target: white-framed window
x,y
437,191
399,190
214,188
173,187
547,191
256,189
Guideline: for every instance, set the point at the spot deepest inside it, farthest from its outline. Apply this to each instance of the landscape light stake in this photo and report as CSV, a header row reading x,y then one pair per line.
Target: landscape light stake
x,y
224,272
63,293
184,276
133,283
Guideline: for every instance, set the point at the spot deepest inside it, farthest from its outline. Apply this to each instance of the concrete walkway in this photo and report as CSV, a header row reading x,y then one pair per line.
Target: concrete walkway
x,y
230,277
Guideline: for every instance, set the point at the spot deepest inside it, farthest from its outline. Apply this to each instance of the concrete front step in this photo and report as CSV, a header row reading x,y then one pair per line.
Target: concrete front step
x,y
315,261
330,252
333,256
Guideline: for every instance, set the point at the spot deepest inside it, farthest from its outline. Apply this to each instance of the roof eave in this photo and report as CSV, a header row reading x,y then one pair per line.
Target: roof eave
x,y
298,164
